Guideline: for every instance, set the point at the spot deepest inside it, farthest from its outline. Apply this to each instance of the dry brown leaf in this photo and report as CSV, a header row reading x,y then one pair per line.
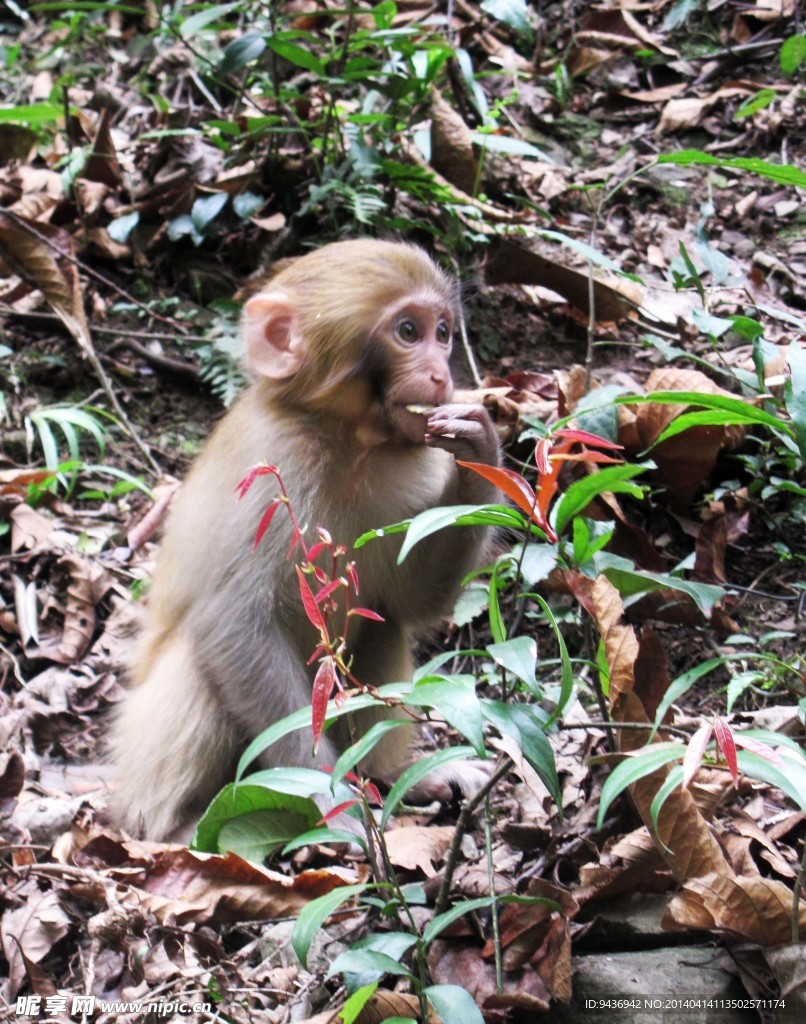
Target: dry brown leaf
x,y
29,528
689,847
15,481
788,964
757,909
416,846
461,963
102,165
86,586
31,929
689,111
452,152
41,253
383,1005
192,887
511,262
684,462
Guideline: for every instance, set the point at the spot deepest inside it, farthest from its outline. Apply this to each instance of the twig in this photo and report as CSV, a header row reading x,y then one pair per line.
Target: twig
x,y
462,825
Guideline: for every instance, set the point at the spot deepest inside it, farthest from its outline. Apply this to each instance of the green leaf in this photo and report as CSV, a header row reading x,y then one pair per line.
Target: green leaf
x,y
206,209
704,418
537,561
390,944
498,630
629,582
359,750
611,479
567,676
722,402
795,395
196,22
784,174
518,656
512,147
437,925
435,519
298,720
471,603
762,99
455,1005
514,13
416,773
294,781
456,700
633,768
247,204
356,1003
241,52
120,228
31,114
682,684
314,915
367,960
793,54
790,780
297,55
672,782
582,249
323,835
522,723
253,821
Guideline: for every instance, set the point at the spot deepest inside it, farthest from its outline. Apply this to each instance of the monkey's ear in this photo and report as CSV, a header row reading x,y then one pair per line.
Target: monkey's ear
x,y
273,342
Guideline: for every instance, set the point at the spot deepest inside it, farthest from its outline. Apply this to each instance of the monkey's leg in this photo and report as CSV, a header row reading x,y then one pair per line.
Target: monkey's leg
x,y
173,745
384,657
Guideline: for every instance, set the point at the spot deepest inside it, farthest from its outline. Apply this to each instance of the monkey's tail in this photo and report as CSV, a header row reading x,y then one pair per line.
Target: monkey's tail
x,y
172,745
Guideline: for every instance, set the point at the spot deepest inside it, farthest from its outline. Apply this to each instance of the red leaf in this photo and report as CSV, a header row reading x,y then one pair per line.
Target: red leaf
x,y
317,654
366,613
310,605
265,522
757,747
335,811
508,481
587,457
724,737
323,685
694,752
585,437
352,575
373,794
251,476
542,455
316,550
320,575
327,590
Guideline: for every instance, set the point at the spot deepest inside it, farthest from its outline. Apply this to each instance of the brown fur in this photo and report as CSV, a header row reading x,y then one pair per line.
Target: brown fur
x,y
225,649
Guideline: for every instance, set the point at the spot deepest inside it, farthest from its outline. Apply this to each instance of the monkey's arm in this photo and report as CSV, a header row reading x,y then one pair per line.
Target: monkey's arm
x,y
434,570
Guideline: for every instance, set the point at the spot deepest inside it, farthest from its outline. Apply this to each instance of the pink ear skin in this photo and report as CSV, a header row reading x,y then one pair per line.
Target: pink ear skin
x,y
273,342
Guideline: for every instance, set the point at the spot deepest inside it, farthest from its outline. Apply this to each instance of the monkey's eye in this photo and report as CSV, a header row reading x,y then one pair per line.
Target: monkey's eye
x,y
407,331
443,332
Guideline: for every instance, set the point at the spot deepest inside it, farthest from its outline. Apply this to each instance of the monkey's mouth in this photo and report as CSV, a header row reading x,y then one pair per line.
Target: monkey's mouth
x,y
409,420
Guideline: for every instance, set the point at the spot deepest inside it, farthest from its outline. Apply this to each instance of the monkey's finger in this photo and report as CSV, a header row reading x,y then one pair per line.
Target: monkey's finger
x,y
453,445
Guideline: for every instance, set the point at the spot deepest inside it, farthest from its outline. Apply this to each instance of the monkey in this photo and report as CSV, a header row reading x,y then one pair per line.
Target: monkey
x,y
349,348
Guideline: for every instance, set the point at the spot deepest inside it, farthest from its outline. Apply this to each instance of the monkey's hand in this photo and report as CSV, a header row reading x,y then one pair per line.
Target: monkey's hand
x,y
467,432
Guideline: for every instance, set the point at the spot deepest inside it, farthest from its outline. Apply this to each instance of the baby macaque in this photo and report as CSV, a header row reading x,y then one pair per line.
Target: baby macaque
x,y
349,346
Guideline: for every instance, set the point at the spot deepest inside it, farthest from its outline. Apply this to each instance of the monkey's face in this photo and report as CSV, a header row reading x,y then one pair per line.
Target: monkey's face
x,y
416,341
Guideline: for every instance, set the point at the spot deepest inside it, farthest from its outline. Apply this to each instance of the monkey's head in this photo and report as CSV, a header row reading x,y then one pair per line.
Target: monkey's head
x,y
362,329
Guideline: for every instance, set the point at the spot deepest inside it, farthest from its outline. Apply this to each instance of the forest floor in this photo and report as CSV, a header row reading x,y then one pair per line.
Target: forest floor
x,y
127,232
